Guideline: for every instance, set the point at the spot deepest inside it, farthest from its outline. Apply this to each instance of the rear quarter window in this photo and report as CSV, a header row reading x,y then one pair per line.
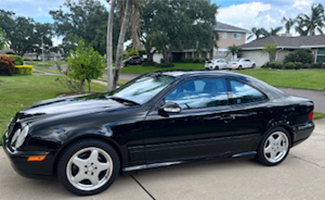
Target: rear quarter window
x,y
243,93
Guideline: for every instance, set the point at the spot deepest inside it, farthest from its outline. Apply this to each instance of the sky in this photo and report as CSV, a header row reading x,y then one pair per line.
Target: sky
x,y
243,13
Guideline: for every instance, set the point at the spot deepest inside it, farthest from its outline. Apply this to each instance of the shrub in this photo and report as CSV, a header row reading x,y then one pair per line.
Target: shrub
x,y
165,65
306,66
7,65
149,64
316,65
299,65
26,59
275,65
84,65
300,55
133,52
24,69
18,60
290,65
194,60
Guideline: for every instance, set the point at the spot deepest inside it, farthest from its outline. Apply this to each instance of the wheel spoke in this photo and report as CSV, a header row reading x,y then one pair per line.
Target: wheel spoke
x,y
272,154
94,179
79,177
93,156
103,166
279,139
271,139
79,162
268,149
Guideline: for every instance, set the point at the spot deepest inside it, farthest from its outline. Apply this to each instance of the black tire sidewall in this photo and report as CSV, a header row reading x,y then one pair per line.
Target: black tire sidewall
x,y
260,152
75,147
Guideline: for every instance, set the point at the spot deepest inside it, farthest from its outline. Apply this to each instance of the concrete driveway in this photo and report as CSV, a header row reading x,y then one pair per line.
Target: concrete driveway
x,y
300,176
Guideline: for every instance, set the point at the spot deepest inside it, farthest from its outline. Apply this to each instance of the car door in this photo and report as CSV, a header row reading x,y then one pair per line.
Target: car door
x,y
201,129
250,114
248,63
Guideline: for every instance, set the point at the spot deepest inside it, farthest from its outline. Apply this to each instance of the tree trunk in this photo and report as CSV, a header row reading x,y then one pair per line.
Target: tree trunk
x,y
135,26
119,49
109,48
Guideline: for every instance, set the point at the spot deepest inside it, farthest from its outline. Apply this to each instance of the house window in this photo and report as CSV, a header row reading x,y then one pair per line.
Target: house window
x,y
224,35
237,36
321,55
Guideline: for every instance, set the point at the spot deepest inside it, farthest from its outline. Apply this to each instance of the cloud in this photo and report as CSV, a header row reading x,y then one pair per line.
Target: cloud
x,y
264,14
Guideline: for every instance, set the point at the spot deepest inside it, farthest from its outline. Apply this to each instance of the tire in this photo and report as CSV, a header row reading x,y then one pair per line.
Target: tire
x,y
253,66
277,153
81,162
240,67
216,68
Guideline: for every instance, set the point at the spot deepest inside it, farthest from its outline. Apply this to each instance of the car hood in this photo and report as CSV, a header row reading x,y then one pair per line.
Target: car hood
x,y
72,105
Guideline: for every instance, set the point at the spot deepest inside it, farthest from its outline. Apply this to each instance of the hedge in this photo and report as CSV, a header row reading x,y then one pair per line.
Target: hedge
x,y
24,69
7,65
293,65
18,60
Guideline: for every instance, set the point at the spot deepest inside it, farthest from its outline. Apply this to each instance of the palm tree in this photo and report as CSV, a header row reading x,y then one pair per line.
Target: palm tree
x,y
314,22
288,24
121,40
271,50
273,31
233,50
256,32
109,47
136,24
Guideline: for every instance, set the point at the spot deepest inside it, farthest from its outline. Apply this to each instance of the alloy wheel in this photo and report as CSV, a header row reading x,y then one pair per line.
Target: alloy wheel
x,y
89,168
276,147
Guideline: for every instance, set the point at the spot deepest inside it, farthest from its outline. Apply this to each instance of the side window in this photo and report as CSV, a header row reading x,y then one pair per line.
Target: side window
x,y
200,93
242,93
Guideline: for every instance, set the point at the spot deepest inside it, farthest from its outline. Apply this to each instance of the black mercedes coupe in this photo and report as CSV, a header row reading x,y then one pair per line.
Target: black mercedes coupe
x,y
158,119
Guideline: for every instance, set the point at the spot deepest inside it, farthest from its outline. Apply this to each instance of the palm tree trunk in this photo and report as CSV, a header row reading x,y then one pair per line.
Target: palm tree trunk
x,y
109,48
135,26
121,39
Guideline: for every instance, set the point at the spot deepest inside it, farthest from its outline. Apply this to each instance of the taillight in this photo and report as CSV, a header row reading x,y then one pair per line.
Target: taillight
x,y
311,115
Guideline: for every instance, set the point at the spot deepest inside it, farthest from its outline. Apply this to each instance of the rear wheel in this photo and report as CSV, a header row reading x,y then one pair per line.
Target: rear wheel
x,y
88,167
253,66
216,68
274,147
240,67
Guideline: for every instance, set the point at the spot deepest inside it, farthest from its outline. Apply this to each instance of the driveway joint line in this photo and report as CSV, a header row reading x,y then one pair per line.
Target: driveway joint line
x,y
308,161
152,197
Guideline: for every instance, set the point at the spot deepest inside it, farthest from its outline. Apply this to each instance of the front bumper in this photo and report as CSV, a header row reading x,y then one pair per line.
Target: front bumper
x,y
18,159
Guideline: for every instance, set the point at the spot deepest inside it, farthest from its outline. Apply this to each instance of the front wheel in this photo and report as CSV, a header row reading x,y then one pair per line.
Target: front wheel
x,y
88,167
240,67
274,147
253,66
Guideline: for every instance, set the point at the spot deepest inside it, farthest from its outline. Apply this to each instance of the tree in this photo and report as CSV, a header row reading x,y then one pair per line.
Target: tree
x,y
85,64
273,31
121,40
84,19
2,40
256,32
136,44
23,34
233,50
271,50
178,24
109,47
312,23
288,24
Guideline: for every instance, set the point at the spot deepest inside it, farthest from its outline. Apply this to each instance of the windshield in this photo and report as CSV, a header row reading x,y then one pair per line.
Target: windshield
x,y
143,89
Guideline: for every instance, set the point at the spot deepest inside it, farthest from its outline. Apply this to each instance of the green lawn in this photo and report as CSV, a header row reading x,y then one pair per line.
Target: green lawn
x,y
137,69
45,66
313,79
17,92
319,115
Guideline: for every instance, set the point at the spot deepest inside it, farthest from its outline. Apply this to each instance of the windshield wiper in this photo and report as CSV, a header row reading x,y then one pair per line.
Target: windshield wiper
x,y
122,100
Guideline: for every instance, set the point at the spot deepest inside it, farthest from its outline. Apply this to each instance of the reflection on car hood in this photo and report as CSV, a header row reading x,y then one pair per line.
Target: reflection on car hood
x,y
73,104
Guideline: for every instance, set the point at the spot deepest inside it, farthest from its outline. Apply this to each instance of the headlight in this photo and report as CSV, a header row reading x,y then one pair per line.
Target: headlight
x,y
14,137
22,136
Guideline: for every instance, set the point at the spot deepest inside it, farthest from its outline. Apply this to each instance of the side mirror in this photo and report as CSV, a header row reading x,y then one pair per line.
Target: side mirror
x,y
170,107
